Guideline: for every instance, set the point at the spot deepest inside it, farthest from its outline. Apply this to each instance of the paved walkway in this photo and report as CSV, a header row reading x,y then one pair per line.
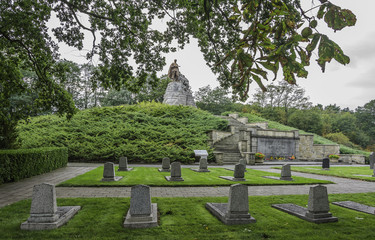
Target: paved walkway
x,y
13,192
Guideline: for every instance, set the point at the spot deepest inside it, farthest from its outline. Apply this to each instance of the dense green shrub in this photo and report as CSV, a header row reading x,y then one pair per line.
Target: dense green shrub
x,y
144,132
22,163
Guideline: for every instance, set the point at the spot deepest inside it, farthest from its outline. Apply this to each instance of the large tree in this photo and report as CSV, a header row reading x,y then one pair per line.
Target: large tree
x,y
240,40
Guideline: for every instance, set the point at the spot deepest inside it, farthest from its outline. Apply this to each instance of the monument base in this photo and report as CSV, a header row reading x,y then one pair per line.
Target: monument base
x,y
220,210
232,178
174,179
114,179
356,206
199,170
164,170
64,215
124,169
143,221
279,178
304,214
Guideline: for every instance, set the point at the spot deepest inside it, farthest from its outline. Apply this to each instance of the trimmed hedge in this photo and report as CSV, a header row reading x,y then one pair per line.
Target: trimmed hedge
x,y
23,163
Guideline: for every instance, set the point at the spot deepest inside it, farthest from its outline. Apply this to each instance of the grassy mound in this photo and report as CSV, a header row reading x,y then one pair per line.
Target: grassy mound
x,y
187,218
145,132
152,177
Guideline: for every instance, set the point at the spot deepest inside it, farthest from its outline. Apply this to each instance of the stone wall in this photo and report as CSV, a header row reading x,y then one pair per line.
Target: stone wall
x,y
262,125
306,148
352,158
216,136
321,151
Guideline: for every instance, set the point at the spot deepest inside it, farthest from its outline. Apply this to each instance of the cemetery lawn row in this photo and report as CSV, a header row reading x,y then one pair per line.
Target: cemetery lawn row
x,y
187,218
362,173
152,177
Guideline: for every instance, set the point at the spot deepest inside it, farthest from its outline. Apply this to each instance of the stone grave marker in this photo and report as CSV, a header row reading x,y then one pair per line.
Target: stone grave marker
x,y
142,213
317,210
123,164
373,175
239,173
243,162
286,173
325,164
44,213
175,172
356,206
236,211
202,165
109,173
165,165
372,160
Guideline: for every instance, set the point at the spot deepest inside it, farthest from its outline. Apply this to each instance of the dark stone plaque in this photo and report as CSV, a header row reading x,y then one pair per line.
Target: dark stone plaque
x,y
277,147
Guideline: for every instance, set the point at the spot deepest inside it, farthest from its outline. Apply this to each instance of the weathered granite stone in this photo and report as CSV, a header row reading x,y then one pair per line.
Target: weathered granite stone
x,y
179,93
165,165
356,206
175,172
372,160
239,173
142,213
202,165
325,164
317,207
44,213
109,173
373,175
236,211
286,173
123,164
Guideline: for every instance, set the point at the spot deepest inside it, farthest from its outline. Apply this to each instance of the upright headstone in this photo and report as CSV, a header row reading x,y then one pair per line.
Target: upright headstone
x,y
142,213
325,164
372,160
109,173
286,173
239,173
202,165
373,175
236,211
165,165
175,172
123,164
317,210
44,213
318,204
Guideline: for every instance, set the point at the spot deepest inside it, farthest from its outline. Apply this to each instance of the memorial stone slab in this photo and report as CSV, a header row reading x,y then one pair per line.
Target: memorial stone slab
x,y
325,164
239,173
372,160
356,206
373,175
243,162
142,213
123,164
44,213
165,165
202,165
317,207
109,173
236,211
175,172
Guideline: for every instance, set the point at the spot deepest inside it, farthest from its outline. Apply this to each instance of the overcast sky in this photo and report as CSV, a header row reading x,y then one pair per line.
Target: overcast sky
x,y
350,86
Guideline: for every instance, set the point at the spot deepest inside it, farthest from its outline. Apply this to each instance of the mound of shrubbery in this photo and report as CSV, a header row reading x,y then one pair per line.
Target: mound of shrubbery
x,y
144,132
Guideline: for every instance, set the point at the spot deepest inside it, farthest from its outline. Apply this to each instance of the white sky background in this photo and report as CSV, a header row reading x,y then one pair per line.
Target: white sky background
x,y
350,86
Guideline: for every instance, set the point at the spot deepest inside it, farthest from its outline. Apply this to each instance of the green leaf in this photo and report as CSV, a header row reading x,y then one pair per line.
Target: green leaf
x,y
310,47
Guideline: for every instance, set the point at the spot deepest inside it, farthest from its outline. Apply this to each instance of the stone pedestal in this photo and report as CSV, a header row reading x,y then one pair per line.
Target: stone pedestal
x,y
179,93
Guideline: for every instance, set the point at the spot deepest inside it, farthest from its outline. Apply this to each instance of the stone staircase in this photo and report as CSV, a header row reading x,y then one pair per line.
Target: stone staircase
x,y
228,145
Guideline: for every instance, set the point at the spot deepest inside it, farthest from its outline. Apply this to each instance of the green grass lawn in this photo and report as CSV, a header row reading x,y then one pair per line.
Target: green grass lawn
x,y
152,177
345,172
187,218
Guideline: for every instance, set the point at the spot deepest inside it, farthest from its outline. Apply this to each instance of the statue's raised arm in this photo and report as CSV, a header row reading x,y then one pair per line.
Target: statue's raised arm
x,y
174,72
